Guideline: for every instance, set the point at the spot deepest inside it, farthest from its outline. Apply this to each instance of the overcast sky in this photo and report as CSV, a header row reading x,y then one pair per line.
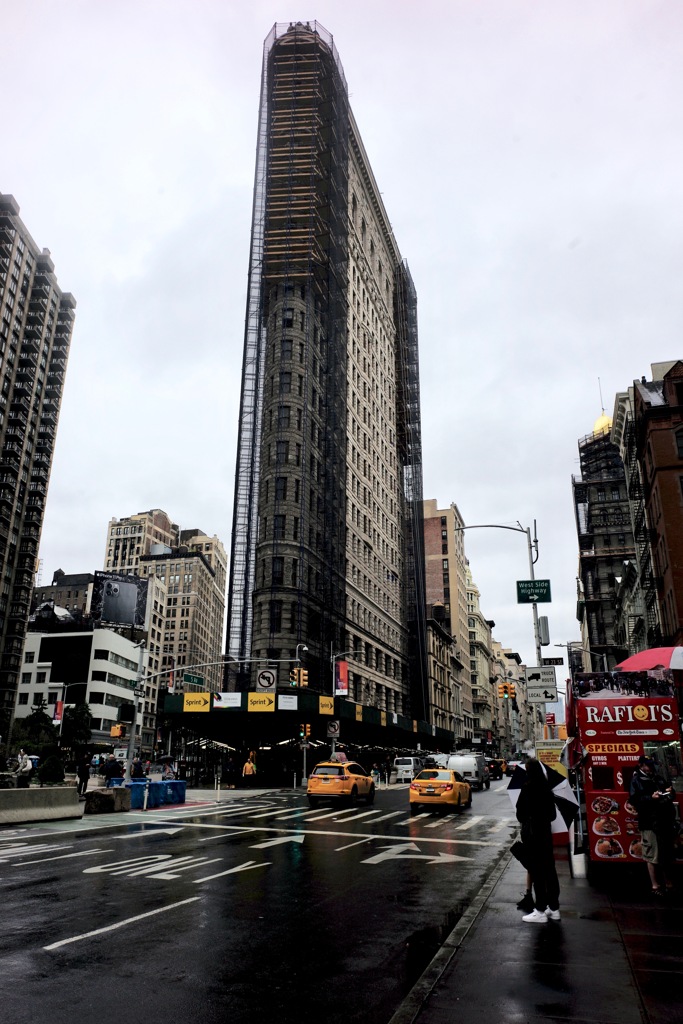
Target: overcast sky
x,y
529,155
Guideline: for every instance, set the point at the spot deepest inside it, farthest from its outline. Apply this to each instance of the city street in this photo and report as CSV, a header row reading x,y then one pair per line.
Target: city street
x,y
227,911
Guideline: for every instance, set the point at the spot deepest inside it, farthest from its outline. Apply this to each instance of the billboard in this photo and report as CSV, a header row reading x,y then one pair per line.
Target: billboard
x,y
119,599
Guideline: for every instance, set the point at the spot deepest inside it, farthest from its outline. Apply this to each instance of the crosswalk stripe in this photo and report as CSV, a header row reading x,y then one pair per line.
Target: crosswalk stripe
x,y
469,824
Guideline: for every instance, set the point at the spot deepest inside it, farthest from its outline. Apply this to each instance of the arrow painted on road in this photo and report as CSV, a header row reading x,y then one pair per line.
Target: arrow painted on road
x,y
152,831
247,866
278,842
401,852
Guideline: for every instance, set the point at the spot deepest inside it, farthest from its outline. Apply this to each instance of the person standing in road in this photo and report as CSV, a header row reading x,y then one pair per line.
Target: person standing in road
x,y
656,817
137,770
536,811
83,773
249,771
23,770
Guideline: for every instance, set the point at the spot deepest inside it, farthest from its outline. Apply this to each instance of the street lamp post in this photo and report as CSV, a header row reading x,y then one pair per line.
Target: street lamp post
x,y
533,558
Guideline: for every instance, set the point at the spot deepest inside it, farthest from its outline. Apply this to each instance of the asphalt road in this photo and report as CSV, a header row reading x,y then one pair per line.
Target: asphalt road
x,y
250,910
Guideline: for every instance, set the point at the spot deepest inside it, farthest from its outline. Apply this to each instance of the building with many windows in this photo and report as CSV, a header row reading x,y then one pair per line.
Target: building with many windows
x,y
97,667
191,570
327,543
36,322
603,525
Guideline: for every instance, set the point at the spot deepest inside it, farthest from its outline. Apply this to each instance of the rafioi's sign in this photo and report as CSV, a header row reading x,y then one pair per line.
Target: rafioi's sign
x,y
654,718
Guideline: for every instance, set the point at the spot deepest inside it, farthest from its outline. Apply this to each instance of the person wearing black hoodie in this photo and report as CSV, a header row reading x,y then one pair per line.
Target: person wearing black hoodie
x,y
536,811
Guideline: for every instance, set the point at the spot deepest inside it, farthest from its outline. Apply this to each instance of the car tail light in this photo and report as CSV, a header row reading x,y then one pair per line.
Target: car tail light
x,y
414,786
447,786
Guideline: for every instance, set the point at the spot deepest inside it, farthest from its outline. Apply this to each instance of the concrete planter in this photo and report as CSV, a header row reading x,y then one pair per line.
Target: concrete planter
x,y
46,803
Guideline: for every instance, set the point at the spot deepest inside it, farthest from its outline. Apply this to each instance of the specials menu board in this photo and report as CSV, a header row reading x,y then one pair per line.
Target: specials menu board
x,y
614,731
612,827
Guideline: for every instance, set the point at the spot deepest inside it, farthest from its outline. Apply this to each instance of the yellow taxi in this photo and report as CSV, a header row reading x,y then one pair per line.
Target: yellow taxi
x,y
345,781
439,787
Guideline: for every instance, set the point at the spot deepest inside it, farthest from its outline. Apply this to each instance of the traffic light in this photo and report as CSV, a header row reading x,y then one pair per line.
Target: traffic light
x,y
303,677
513,690
302,731
294,677
502,689
308,730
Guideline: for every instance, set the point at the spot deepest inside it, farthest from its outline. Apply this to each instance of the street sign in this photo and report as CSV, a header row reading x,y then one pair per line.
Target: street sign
x,y
541,694
550,719
533,591
139,693
552,661
540,685
193,680
333,730
266,680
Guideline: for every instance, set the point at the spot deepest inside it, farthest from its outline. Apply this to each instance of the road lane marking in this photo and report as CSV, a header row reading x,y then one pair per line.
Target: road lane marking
x,y
357,817
248,866
121,924
64,856
391,814
369,835
349,845
411,851
10,853
278,841
225,835
469,824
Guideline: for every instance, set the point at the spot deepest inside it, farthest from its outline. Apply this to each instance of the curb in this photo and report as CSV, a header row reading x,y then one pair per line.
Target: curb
x,y
412,1005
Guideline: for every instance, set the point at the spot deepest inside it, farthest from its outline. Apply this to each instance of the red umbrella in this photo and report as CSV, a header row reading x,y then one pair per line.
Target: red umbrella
x,y
656,657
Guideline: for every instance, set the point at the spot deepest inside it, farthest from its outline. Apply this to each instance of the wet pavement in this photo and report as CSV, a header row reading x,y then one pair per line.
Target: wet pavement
x,y
616,957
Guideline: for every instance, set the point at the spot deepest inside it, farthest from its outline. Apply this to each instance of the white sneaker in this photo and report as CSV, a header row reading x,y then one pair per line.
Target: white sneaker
x,y
552,915
535,917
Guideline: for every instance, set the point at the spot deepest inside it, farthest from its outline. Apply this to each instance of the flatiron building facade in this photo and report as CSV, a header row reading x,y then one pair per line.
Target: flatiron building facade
x,y
327,543
36,323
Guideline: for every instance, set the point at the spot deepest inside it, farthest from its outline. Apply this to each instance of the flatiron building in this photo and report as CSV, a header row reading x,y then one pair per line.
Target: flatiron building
x,y
327,542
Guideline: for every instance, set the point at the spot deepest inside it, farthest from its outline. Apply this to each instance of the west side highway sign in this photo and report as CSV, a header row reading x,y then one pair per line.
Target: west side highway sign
x,y
540,685
533,591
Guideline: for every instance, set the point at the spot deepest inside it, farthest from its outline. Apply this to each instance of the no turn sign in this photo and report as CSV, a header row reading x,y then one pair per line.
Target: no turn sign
x,y
266,679
333,730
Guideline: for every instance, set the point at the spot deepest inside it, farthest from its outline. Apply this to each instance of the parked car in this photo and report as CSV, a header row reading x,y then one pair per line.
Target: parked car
x,y
344,782
407,768
439,787
473,768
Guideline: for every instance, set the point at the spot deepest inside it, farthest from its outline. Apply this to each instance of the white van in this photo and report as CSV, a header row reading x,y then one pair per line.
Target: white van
x,y
407,768
473,769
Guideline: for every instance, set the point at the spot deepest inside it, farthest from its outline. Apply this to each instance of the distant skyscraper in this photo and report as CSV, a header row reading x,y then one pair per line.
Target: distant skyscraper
x,y
36,322
327,544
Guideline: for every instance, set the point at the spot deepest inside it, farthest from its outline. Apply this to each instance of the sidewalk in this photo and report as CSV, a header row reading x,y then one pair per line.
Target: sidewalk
x,y
616,957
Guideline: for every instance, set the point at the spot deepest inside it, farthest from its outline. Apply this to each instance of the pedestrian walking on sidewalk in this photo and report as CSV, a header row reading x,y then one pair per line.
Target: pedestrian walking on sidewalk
x,y
654,803
536,812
